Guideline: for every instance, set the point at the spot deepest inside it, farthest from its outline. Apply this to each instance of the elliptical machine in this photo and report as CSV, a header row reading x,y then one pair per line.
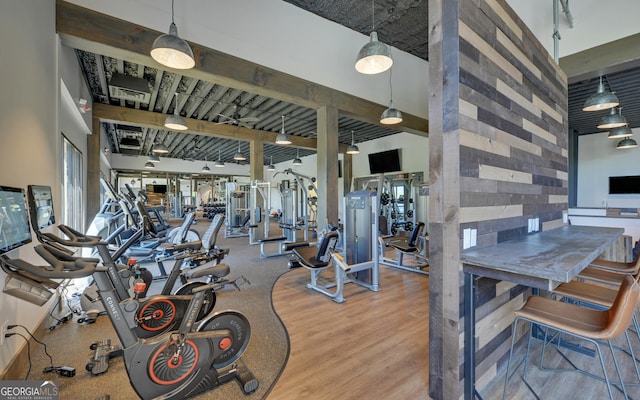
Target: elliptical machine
x,y
178,363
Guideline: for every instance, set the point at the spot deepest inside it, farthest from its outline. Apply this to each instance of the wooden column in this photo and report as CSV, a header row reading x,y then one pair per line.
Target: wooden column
x,y
256,160
327,165
347,172
93,173
444,202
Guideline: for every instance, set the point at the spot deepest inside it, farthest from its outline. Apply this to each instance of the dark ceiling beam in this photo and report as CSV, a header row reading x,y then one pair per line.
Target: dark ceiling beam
x,y
88,30
130,116
608,58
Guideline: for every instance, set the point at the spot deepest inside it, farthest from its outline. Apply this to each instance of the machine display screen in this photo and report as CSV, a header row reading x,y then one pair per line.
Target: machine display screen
x,y
14,219
41,206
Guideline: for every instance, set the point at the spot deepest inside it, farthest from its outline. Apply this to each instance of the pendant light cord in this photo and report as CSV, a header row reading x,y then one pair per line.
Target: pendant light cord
x,y
390,85
172,21
373,16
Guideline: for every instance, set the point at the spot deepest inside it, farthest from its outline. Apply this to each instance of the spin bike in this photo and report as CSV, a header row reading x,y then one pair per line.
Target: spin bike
x,y
154,314
177,364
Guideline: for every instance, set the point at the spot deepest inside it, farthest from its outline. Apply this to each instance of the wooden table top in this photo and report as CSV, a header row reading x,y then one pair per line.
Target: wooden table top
x,y
542,260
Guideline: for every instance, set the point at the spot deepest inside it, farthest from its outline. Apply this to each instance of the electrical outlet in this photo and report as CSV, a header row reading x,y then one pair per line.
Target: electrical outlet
x,y
3,331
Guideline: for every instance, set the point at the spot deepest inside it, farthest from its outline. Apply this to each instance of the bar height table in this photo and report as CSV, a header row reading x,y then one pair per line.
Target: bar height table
x,y
542,261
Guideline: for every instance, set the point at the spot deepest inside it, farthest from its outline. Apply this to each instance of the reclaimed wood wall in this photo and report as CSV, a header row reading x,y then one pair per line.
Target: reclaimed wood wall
x,y
499,157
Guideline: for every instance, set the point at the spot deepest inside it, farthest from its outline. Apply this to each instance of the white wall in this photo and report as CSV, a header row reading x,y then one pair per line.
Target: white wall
x,y
598,159
596,22
30,142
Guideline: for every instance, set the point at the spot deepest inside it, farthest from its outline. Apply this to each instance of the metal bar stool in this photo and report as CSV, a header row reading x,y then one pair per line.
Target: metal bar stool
x,y
584,323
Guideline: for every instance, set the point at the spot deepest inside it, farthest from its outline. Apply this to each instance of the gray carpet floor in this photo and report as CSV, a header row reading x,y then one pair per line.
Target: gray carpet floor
x,y
266,355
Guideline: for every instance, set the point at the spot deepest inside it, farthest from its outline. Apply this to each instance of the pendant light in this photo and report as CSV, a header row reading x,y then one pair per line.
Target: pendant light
x,y
627,143
374,57
175,121
149,165
239,156
391,115
613,120
219,163
620,133
353,149
271,167
282,137
297,160
206,167
601,100
172,51
153,157
160,148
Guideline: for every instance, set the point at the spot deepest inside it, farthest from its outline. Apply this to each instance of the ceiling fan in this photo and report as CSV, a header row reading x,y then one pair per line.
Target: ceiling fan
x,y
235,119
190,155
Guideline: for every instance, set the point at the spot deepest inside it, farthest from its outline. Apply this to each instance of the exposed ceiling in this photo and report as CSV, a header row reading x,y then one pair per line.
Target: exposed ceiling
x,y
399,23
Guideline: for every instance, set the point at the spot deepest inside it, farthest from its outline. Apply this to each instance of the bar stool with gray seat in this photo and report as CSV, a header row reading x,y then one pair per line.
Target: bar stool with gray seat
x,y
583,323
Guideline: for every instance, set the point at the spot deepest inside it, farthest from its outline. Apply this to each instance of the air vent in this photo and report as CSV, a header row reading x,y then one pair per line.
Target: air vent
x,y
127,87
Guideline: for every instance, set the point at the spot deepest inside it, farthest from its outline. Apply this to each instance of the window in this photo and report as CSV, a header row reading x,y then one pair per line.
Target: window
x,y
72,210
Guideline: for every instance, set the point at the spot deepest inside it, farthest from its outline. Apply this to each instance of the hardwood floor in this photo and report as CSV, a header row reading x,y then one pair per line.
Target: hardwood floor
x,y
375,345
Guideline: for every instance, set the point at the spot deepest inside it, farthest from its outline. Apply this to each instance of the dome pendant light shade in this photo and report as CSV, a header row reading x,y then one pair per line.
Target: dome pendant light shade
x,y
175,121
206,168
271,167
601,100
627,143
353,149
282,137
391,115
613,120
160,148
219,163
620,133
149,165
171,51
374,57
239,156
297,160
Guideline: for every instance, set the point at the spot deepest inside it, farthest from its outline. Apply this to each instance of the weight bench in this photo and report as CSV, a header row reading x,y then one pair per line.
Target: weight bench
x,y
317,259
406,246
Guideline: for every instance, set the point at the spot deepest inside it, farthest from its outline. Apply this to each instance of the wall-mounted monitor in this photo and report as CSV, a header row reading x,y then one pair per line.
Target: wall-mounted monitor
x,y
41,206
624,184
14,219
385,161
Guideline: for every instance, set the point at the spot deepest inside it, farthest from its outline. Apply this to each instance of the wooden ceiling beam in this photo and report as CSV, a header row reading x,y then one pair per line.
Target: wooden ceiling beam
x,y
608,58
88,30
130,116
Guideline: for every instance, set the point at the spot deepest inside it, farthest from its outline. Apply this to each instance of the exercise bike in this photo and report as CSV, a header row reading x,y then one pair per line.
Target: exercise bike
x,y
154,314
196,357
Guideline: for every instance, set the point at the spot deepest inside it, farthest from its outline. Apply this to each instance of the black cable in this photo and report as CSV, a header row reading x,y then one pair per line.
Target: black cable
x,y
37,341
28,350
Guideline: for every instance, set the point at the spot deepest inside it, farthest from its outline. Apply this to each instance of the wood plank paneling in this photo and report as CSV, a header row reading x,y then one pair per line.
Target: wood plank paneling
x,y
512,163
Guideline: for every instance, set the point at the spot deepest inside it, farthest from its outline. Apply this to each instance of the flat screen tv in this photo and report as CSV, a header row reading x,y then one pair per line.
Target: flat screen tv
x,y
40,206
624,184
385,161
14,219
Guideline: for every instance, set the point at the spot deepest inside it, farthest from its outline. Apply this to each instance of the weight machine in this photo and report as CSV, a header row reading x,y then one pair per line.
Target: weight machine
x,y
360,263
259,214
299,207
237,212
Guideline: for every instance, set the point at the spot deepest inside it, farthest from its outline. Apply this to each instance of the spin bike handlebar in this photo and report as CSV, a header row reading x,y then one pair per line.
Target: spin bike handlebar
x,y
75,238
57,269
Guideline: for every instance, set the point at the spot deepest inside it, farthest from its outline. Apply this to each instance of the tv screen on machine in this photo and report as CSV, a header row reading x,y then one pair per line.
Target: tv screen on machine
x,y
41,206
14,219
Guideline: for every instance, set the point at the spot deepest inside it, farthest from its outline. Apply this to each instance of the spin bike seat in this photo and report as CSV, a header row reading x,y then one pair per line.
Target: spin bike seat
x,y
215,271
